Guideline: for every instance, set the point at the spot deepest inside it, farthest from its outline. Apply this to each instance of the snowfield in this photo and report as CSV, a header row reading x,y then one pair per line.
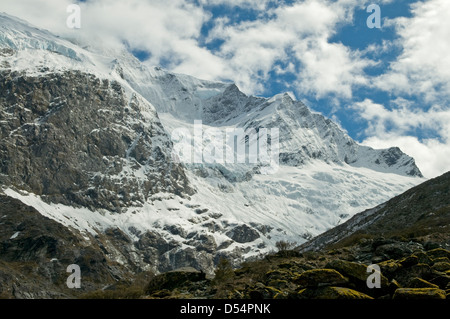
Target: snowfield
x,y
324,177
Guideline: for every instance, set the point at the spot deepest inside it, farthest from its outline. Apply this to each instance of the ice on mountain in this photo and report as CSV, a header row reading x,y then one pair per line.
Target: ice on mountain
x,y
324,176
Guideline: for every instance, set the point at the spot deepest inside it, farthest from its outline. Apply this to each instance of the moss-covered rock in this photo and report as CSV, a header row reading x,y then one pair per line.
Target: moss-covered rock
x,y
420,283
281,284
279,274
406,274
441,266
409,261
355,272
331,293
349,269
438,252
358,274
281,278
419,293
174,279
423,258
389,267
441,279
441,259
393,286
320,277
260,291
164,293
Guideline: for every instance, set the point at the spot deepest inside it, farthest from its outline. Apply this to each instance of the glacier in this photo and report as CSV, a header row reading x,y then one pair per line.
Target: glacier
x,y
323,179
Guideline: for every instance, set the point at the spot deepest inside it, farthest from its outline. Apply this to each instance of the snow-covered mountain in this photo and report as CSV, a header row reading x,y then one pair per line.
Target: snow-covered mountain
x,y
87,140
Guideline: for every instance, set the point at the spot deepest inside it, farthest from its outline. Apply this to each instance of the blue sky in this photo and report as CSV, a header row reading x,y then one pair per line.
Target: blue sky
x,y
385,87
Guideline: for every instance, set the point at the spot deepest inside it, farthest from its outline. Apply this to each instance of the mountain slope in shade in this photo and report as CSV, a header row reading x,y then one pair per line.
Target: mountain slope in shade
x,y
421,211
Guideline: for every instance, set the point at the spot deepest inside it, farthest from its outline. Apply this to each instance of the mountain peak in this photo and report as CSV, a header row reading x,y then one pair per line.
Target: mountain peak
x,y
87,140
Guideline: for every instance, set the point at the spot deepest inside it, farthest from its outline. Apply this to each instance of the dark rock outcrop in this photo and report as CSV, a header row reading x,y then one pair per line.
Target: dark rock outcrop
x,y
80,140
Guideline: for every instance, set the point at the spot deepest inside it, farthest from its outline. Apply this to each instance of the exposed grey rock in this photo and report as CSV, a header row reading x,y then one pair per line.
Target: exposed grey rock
x,y
44,248
203,242
77,139
175,279
243,234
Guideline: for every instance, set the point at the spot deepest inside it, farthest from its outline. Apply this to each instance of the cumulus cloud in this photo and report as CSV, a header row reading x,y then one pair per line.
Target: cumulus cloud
x,y
48,14
400,125
287,40
294,36
301,33
423,68
417,119
255,5
166,29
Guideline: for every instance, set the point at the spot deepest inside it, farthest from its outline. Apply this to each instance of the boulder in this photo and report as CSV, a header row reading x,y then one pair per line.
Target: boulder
x,y
420,283
419,293
409,261
331,293
406,274
438,252
441,279
355,272
243,234
441,259
423,258
395,250
389,267
260,291
441,266
174,279
320,277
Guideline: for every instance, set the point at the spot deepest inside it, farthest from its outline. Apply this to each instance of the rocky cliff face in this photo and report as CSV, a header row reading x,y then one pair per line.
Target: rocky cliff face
x,y
76,139
85,141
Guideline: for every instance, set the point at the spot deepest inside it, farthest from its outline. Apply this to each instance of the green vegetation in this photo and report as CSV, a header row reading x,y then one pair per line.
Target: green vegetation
x,y
340,273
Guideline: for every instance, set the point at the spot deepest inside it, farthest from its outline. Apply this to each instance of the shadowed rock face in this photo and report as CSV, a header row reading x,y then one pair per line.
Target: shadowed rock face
x,y
243,234
35,252
77,139
422,210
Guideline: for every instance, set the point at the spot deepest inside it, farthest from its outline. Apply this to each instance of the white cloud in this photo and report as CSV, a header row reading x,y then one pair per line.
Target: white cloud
x,y
297,33
330,68
423,68
47,14
295,36
255,5
421,73
399,127
166,29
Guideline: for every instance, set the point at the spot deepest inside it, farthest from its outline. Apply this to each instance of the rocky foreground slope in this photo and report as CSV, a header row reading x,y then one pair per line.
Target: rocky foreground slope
x,y
408,271
408,238
414,263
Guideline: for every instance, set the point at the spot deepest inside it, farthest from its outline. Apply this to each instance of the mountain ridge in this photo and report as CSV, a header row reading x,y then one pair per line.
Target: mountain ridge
x,y
86,141
214,102
426,201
